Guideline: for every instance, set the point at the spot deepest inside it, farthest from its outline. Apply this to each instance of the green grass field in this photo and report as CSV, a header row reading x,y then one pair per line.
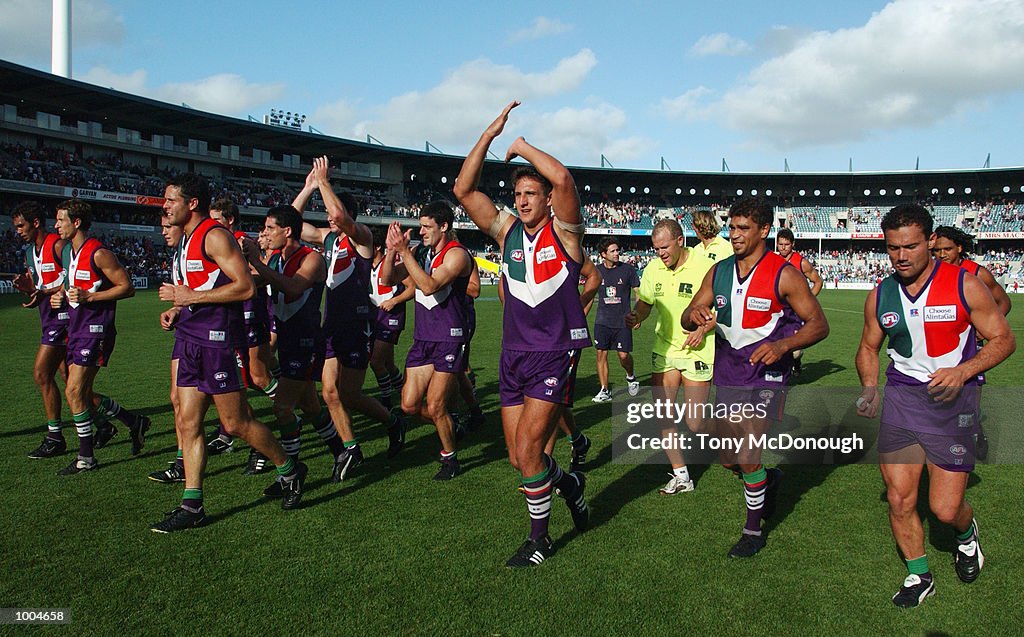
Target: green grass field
x,y
392,552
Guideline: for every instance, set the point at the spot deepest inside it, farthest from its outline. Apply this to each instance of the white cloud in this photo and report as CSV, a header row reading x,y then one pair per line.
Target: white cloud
x,y
25,28
686,106
339,117
467,100
541,27
225,93
719,44
911,65
581,135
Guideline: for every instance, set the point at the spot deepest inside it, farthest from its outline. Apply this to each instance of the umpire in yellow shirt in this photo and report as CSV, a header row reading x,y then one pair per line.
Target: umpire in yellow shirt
x,y
679,358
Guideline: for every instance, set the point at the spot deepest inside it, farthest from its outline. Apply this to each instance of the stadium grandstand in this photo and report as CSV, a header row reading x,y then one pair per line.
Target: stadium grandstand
x,y
60,138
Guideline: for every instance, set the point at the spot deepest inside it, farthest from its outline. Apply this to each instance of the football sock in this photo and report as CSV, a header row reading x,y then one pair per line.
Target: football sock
x,y
754,484
538,502
290,438
918,565
192,500
384,384
179,462
325,429
112,409
966,536
287,470
53,430
271,389
83,426
683,473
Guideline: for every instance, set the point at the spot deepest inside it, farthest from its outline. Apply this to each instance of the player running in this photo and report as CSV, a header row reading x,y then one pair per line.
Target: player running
x,y
784,241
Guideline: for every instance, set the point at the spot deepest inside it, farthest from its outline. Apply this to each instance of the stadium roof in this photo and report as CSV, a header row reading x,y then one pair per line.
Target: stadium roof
x,y
77,100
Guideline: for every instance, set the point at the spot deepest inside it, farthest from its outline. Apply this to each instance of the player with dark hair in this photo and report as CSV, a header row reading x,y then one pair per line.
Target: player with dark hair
x,y
679,358
544,327
259,367
94,281
390,320
44,276
211,279
744,298
440,269
784,241
929,311
348,250
614,298
296,280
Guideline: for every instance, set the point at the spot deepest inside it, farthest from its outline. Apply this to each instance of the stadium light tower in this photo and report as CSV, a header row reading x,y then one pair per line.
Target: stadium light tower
x,y
60,44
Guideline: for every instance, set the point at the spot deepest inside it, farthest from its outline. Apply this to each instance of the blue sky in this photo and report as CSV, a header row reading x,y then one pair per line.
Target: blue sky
x,y
814,83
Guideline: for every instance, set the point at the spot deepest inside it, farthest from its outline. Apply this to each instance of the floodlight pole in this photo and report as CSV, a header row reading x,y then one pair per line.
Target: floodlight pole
x,y
60,45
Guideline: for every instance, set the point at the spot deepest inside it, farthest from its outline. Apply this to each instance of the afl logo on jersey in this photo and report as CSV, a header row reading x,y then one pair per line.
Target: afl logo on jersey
x,y
890,319
720,301
517,256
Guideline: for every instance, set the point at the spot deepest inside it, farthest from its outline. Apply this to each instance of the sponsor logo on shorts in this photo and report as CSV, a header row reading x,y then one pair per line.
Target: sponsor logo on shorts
x,y
758,304
455,331
449,358
939,313
579,333
393,322
966,420
517,256
295,364
551,381
958,450
52,333
306,342
773,377
362,310
720,301
249,315
220,376
193,265
64,316
85,352
82,275
765,396
95,329
217,335
890,319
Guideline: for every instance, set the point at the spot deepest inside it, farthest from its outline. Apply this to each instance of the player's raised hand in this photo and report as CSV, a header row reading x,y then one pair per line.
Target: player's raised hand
x,y
498,125
321,167
514,150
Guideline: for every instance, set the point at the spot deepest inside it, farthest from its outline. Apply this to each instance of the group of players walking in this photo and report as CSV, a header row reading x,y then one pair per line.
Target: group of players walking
x,y
235,301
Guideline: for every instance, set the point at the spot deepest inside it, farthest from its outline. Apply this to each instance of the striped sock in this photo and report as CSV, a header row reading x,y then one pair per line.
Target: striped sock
x,y
112,409
325,429
287,470
275,372
562,481
384,384
192,500
83,426
223,434
754,484
53,430
271,389
966,536
538,502
290,438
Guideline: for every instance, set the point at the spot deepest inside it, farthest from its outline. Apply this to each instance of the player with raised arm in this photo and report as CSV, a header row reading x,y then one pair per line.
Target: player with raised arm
x,y
614,297
930,311
544,328
440,269
784,242
679,358
744,298
348,250
211,279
